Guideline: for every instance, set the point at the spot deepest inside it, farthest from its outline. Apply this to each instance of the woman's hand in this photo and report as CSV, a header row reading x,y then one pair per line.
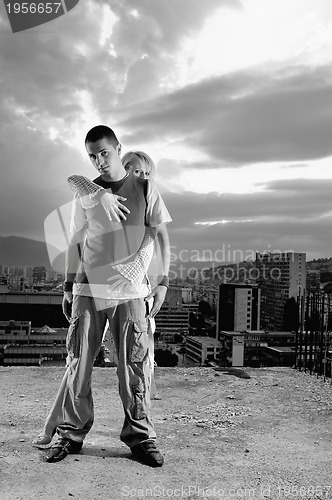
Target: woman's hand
x,y
120,283
113,206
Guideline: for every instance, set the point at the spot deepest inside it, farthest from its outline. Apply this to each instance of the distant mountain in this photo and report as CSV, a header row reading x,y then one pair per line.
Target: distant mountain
x,y
18,251
182,269
324,264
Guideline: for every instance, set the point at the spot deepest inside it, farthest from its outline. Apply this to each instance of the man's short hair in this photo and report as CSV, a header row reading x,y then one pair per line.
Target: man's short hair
x,y
102,132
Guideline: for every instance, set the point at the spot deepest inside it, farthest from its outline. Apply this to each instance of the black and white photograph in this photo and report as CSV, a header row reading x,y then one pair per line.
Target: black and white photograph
x,y
165,249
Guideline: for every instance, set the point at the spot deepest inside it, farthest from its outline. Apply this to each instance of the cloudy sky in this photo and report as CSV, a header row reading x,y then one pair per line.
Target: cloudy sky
x,y
231,98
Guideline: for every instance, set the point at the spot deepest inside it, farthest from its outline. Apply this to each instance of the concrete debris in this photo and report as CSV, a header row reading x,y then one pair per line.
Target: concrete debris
x,y
215,416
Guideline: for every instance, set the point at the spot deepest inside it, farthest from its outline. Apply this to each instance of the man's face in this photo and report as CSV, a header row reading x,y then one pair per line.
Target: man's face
x,y
104,157
138,169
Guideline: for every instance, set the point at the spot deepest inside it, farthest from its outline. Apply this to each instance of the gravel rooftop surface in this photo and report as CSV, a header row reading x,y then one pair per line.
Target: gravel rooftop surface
x,y
225,437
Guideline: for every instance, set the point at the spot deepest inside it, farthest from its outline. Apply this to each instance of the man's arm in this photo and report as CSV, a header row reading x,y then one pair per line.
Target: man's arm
x,y
159,292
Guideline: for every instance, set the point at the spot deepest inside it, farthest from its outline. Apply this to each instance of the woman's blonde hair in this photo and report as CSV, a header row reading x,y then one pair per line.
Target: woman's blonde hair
x,y
143,159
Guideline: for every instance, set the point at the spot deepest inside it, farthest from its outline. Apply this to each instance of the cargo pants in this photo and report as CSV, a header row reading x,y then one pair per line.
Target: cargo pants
x,y
72,413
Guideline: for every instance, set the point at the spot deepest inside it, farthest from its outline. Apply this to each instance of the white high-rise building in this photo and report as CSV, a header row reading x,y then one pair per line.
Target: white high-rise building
x,y
238,307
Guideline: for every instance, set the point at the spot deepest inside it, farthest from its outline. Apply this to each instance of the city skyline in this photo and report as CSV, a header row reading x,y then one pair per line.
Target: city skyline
x,y
231,99
19,254
189,269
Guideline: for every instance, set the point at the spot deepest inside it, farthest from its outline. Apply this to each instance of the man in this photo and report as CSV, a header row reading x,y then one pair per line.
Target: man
x,y
95,294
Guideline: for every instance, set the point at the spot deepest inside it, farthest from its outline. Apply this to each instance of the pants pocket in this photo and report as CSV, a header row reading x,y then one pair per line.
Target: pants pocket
x,y
73,340
140,342
139,405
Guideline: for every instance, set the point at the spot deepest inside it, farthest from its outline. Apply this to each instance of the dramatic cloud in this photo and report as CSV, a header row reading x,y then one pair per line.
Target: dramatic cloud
x,y
287,199
286,215
204,87
247,117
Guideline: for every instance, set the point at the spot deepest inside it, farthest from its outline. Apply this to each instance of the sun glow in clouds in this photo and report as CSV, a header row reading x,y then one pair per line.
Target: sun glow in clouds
x,y
262,31
223,221
254,178
108,19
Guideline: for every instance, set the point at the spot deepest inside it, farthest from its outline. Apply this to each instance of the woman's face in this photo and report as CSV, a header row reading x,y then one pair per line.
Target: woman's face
x,y
137,168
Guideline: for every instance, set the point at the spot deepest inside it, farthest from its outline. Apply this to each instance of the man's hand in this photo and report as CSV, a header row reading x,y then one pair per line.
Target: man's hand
x,y
112,206
158,294
66,304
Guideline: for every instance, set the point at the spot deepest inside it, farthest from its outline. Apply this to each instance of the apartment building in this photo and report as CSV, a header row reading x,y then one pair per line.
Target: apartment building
x,y
238,307
281,276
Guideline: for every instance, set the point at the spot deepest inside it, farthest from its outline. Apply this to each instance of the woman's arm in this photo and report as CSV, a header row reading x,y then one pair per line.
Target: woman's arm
x,y
159,292
135,271
91,195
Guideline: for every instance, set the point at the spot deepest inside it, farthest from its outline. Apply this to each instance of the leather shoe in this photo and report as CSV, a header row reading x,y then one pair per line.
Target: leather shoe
x,y
62,448
147,453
